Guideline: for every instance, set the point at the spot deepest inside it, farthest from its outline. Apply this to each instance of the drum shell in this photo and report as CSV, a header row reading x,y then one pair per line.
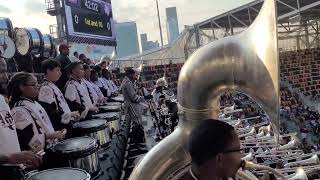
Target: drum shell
x,y
86,159
35,175
100,133
7,28
114,126
48,46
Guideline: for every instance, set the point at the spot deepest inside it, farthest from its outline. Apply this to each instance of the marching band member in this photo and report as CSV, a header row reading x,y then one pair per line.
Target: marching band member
x,y
219,159
94,91
76,93
10,152
157,93
131,98
33,123
108,84
99,82
52,99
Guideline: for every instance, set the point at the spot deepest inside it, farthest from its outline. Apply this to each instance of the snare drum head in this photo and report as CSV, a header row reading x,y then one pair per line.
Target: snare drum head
x,y
23,41
108,116
60,174
76,146
94,125
110,108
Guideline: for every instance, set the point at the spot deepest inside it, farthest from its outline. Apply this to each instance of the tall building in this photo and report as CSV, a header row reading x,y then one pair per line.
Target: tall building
x,y
127,39
172,24
148,45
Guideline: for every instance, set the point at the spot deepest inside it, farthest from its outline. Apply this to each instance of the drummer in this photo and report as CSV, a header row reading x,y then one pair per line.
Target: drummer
x,y
52,99
10,152
107,78
100,83
76,93
33,124
94,91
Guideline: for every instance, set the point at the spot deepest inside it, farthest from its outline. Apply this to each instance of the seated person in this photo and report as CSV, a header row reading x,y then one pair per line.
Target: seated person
x,y
94,91
99,82
52,99
10,152
77,94
219,159
33,123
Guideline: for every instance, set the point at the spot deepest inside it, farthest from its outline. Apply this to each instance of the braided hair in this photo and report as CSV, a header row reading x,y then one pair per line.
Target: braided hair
x,y
14,92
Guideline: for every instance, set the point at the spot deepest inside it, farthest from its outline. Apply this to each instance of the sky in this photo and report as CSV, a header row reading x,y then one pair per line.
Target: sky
x,y
32,13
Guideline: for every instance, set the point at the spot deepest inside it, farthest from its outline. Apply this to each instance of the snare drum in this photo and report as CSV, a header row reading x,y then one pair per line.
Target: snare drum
x,y
6,27
108,108
48,46
98,129
112,104
118,99
60,174
113,120
80,152
29,40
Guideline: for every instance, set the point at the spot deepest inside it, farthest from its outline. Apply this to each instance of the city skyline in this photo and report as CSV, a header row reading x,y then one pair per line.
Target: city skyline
x,y
127,39
172,24
32,13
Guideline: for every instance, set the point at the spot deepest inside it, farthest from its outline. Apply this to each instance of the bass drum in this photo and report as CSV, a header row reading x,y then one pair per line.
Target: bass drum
x,y
29,40
6,27
60,174
48,46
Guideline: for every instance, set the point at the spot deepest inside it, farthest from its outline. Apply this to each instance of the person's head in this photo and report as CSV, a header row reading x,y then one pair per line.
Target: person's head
x,y
98,70
75,54
82,57
22,85
105,73
88,61
93,75
214,147
51,69
103,65
131,74
87,71
3,76
64,49
76,70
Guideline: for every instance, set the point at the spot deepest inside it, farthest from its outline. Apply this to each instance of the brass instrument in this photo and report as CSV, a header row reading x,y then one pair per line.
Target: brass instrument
x,y
236,63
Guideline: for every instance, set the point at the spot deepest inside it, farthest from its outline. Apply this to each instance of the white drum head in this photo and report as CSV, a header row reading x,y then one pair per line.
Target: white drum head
x,y
7,47
22,41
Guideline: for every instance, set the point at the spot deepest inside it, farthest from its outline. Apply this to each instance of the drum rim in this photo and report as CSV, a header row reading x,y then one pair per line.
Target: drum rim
x,y
62,168
84,130
76,153
31,44
116,117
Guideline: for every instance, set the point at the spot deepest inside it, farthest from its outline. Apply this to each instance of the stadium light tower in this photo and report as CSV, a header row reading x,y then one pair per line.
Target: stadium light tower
x,y
161,38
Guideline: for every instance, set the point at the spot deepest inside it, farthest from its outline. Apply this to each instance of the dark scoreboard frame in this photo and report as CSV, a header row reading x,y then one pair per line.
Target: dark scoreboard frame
x,y
97,20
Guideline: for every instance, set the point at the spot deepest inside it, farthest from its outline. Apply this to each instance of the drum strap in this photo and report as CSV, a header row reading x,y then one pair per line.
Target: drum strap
x,y
32,116
78,91
90,94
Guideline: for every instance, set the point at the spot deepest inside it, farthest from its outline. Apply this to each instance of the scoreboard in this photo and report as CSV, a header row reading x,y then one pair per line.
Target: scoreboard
x,y
90,21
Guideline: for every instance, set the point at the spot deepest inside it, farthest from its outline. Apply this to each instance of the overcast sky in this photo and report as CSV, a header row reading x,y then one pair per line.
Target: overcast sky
x,y
32,13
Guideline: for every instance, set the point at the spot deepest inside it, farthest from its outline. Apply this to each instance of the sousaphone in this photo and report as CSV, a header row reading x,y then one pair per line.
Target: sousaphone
x,y
247,63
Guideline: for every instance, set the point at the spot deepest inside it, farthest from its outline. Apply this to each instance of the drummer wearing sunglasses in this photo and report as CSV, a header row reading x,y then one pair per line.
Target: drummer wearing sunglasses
x,y
215,151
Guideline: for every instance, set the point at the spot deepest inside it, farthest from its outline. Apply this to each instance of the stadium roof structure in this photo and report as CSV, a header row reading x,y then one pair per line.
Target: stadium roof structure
x,y
243,16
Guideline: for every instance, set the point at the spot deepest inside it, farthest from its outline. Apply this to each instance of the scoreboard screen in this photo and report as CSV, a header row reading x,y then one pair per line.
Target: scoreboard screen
x,y
90,21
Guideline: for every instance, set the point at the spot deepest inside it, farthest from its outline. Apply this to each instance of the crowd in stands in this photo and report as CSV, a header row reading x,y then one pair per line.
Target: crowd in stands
x,y
301,69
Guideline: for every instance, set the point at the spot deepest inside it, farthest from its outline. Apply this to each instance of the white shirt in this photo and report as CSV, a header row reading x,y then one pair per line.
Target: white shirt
x,y
104,85
93,90
50,93
8,135
26,112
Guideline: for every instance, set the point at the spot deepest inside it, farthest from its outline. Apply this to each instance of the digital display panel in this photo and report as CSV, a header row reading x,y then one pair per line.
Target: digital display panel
x,y
90,19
